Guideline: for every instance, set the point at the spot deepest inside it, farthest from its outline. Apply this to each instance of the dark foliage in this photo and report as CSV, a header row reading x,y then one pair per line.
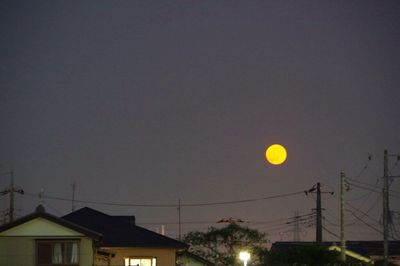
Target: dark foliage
x,y
222,246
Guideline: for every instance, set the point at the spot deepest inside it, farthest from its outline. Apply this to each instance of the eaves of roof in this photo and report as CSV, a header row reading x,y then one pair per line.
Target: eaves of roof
x,y
41,214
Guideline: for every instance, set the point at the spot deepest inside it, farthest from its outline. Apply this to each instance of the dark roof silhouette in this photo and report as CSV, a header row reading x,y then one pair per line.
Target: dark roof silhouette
x,y
41,213
119,232
365,248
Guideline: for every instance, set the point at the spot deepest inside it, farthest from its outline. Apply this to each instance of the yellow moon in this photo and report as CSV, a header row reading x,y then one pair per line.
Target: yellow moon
x,y
276,154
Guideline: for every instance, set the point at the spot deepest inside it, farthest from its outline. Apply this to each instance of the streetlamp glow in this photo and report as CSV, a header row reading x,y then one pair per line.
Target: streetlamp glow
x,y
244,256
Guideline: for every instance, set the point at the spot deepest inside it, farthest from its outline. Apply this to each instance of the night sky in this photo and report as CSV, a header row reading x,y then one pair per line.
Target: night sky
x,y
149,102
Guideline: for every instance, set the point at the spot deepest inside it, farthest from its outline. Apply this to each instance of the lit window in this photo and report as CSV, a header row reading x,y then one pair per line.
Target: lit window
x,y
140,262
57,252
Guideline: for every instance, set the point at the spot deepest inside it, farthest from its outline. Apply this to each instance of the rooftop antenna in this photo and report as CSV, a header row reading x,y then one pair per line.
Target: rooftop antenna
x,y
41,196
73,196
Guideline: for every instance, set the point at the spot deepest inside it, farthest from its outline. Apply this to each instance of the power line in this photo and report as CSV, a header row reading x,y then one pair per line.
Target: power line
x,y
243,201
175,223
365,196
376,190
366,212
170,205
363,213
364,168
257,222
372,186
330,232
367,224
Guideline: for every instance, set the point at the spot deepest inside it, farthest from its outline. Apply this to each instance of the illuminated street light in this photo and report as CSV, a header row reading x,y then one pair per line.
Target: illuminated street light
x,y
244,256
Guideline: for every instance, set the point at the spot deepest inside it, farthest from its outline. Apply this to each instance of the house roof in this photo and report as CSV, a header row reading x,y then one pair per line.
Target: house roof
x,y
365,248
118,232
41,213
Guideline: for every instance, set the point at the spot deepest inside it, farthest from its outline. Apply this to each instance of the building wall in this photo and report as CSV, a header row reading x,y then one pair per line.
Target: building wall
x,y
164,256
18,244
22,250
17,251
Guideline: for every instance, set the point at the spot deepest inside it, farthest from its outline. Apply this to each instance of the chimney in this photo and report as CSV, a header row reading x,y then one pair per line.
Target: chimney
x,y
163,230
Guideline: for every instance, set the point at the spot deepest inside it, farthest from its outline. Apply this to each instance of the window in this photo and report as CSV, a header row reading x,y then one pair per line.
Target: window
x,y
57,252
140,262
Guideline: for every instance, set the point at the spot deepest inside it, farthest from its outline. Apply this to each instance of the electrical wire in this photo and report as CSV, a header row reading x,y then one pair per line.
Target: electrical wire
x,y
215,221
176,223
52,208
367,224
395,233
364,168
395,165
169,205
366,212
376,190
363,213
330,232
365,196
372,186
269,226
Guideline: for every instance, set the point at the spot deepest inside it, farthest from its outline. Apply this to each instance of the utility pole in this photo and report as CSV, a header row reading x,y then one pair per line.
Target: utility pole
x,y
385,208
296,229
318,230
295,221
11,209
318,236
11,190
179,219
342,235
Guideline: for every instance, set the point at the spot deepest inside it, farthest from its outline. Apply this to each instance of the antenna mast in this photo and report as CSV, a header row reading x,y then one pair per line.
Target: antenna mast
x,y
73,196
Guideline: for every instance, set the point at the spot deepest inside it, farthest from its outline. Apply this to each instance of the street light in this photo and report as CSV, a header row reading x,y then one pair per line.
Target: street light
x,y
244,256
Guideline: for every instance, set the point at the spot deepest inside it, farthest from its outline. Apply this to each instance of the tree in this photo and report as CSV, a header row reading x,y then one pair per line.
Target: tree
x,y
222,245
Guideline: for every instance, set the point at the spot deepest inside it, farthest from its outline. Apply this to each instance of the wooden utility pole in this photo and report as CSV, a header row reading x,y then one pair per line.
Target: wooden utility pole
x,y
11,190
319,216
385,208
296,227
342,232
179,219
11,209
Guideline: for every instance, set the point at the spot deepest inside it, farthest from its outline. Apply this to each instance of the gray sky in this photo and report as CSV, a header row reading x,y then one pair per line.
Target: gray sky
x,y
149,102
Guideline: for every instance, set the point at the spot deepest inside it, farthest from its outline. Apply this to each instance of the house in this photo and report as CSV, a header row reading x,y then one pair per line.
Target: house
x,y
359,250
124,243
43,239
85,237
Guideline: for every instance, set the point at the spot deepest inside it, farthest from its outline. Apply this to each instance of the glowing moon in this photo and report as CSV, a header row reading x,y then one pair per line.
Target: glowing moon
x,y
276,154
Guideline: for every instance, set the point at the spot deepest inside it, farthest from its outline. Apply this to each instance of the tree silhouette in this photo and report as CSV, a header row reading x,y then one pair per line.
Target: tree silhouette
x,y
222,245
